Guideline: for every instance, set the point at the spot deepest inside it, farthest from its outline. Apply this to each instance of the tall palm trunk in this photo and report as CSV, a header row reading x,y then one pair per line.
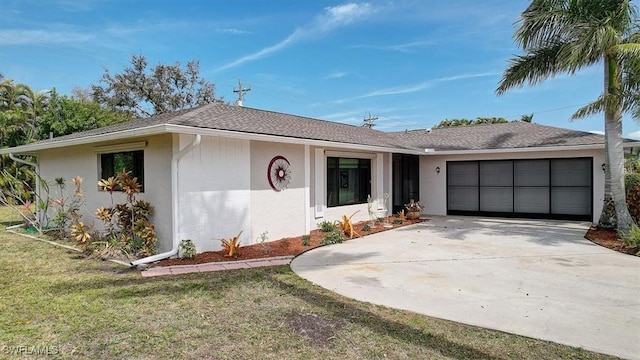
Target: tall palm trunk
x,y
614,171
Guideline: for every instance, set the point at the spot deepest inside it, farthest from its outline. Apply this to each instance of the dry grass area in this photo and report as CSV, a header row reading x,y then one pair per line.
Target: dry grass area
x,y
87,309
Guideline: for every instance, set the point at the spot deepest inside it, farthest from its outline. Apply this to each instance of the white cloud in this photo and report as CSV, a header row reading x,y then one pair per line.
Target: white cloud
x,y
336,75
396,90
406,47
42,37
634,135
232,31
333,18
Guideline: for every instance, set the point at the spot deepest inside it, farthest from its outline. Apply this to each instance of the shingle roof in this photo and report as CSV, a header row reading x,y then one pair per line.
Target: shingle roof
x,y
253,121
496,136
247,120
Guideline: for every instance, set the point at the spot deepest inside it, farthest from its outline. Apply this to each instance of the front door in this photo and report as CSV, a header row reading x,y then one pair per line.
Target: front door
x,y
406,180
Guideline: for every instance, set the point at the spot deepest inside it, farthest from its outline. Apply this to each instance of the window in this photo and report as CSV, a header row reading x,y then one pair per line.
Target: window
x,y
348,181
132,161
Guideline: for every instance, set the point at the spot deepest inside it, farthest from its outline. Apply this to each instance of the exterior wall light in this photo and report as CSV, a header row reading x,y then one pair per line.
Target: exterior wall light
x,y
604,167
438,169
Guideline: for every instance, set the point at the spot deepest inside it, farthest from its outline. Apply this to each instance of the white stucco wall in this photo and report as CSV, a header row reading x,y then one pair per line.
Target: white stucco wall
x,y
433,186
214,191
84,161
280,213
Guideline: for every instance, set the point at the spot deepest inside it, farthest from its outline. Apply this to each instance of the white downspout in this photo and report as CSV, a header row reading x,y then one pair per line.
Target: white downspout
x,y
176,205
37,194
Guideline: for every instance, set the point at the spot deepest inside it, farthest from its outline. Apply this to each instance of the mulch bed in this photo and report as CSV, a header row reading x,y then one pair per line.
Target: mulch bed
x,y
294,246
283,247
608,239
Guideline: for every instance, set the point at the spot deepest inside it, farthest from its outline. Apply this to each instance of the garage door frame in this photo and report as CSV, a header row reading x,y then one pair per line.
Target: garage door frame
x,y
539,215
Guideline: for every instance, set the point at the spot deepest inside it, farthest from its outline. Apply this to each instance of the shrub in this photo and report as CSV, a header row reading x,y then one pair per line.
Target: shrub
x,y
632,238
366,227
334,237
262,239
306,240
186,249
327,226
633,203
631,181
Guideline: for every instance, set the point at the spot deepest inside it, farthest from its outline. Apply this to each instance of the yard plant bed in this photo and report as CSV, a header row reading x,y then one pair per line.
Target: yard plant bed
x,y
608,239
284,247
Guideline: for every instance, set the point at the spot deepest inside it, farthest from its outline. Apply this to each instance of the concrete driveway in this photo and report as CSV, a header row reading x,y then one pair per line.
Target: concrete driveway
x,y
540,279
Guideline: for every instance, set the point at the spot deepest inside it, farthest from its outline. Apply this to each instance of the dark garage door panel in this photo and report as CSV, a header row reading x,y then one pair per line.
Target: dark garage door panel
x,y
541,188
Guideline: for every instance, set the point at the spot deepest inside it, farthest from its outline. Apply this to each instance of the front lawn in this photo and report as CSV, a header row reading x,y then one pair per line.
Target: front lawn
x,y
55,300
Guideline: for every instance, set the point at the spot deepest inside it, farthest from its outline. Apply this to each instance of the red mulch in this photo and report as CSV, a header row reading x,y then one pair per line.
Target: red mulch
x,y
608,239
288,246
293,246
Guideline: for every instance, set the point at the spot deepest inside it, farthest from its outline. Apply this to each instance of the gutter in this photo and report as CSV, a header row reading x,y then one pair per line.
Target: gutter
x,y
175,199
514,150
37,194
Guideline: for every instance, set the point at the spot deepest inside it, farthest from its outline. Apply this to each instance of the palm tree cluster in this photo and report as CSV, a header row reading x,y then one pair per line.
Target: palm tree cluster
x,y
20,111
564,36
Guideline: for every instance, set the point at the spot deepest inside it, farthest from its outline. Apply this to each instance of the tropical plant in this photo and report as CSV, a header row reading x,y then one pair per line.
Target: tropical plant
x,y
66,208
326,226
335,236
306,240
128,221
232,246
401,216
346,226
564,36
18,194
633,202
186,249
632,238
262,240
80,232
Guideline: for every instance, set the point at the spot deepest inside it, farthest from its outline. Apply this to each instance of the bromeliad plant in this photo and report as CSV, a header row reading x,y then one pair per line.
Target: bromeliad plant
x,y
347,226
232,246
128,222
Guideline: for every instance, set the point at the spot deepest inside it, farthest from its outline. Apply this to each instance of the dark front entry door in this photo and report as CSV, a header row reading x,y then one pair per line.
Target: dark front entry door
x,y
406,180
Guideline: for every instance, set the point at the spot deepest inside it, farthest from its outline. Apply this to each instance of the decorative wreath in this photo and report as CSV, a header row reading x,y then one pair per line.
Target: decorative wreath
x,y
278,173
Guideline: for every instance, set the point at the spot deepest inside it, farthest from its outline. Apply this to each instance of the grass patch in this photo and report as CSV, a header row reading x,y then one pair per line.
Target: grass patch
x,y
99,310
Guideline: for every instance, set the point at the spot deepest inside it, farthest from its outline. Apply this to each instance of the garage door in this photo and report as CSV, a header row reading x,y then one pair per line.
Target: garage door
x,y
536,188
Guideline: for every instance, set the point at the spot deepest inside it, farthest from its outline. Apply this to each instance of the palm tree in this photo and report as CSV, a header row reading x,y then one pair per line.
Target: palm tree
x,y
564,36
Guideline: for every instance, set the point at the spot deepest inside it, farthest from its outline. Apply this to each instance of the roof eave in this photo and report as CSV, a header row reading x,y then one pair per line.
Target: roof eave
x,y
432,152
181,129
117,135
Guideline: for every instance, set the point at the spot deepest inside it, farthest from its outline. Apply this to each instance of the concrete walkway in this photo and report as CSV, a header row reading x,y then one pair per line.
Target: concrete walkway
x,y
539,279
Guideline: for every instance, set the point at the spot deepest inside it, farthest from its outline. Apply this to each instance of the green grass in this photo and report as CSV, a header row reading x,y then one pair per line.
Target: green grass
x,y
82,308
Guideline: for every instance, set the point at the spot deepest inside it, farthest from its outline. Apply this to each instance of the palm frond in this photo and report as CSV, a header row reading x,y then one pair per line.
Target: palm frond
x,y
532,68
595,107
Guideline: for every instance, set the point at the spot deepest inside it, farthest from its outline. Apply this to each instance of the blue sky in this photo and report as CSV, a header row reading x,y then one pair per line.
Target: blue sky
x,y
411,63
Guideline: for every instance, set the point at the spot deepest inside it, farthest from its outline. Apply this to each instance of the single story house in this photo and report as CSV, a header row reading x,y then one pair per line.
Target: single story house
x,y
217,169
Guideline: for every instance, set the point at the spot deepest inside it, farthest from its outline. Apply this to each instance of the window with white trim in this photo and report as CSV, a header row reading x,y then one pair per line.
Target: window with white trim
x,y
348,181
113,163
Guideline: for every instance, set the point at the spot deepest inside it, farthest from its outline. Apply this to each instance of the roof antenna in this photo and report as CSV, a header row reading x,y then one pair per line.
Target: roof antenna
x,y
240,91
368,122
